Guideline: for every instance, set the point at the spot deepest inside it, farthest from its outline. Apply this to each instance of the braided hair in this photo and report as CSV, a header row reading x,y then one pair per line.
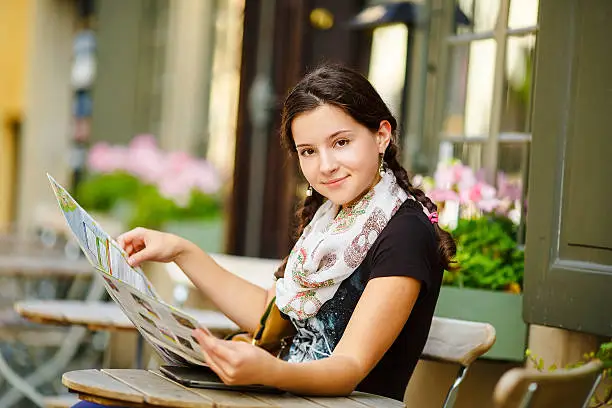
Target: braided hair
x,y
350,91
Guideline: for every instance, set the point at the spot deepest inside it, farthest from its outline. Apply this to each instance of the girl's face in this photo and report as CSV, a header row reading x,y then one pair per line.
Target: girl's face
x,y
338,156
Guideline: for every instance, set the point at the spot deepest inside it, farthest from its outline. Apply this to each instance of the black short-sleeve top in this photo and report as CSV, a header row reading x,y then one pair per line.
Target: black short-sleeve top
x,y
407,246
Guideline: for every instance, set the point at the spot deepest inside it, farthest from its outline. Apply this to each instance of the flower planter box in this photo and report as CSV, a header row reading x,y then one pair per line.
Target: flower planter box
x,y
500,309
207,234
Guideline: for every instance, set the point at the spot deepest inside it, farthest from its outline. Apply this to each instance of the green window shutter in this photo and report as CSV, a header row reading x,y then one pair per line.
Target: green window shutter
x,y
568,269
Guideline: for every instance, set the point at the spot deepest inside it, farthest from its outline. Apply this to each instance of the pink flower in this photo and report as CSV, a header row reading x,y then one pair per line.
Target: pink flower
x,y
103,158
481,194
175,174
441,195
487,191
183,174
503,207
465,178
175,189
487,200
480,175
444,176
488,205
208,180
508,189
145,160
144,141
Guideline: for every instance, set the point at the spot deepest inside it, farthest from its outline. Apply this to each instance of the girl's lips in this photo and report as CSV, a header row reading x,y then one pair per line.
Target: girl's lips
x,y
335,181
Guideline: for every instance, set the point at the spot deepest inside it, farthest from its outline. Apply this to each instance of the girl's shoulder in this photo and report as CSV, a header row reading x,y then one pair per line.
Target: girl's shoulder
x,y
409,221
407,246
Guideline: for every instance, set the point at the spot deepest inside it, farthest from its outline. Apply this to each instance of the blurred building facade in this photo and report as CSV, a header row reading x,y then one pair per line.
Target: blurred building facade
x,y
457,75
209,77
14,35
157,65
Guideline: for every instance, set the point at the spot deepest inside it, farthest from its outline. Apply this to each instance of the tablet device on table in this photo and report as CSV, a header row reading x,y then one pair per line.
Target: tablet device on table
x,y
204,377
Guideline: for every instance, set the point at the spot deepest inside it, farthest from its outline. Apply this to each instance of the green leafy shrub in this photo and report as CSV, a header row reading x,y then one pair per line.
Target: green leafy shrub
x,y
140,204
488,255
142,185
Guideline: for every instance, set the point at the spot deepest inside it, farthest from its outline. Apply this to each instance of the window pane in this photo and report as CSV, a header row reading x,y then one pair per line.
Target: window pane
x,y
469,153
457,89
511,159
523,13
482,15
387,69
520,54
480,87
468,104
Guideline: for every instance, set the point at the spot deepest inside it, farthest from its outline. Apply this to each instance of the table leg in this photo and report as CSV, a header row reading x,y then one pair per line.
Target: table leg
x,y
139,351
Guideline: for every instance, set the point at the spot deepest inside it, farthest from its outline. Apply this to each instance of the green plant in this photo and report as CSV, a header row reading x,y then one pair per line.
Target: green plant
x,y
483,219
102,192
487,254
138,203
604,354
143,185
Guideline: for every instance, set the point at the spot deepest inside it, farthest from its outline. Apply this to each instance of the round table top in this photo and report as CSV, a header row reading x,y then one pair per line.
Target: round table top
x,y
43,265
141,388
105,315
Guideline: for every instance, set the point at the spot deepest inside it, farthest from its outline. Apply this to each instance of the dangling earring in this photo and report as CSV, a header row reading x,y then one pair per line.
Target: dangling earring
x,y
309,191
381,168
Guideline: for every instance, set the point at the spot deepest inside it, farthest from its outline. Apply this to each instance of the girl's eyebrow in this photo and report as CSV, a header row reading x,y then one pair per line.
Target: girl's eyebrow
x,y
328,137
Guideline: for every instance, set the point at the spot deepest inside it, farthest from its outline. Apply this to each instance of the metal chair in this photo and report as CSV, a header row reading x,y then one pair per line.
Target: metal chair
x,y
457,342
31,265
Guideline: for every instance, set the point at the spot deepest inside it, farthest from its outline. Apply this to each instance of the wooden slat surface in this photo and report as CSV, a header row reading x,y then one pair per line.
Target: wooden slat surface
x,y
151,389
458,341
224,399
96,383
35,265
286,400
105,315
159,391
375,401
102,315
559,388
336,402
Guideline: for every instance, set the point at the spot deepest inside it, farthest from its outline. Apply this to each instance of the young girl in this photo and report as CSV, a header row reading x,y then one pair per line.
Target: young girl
x,y
362,281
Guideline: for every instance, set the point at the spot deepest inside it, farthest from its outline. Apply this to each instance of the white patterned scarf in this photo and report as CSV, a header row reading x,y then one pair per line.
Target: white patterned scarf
x,y
333,246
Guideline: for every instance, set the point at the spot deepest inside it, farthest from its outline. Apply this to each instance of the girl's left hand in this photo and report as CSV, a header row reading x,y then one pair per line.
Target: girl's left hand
x,y
237,363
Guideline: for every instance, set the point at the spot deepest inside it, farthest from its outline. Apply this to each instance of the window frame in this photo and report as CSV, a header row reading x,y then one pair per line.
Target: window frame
x,y
490,142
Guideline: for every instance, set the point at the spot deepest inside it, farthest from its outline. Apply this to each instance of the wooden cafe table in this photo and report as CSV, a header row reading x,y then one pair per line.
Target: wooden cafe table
x,y
108,316
140,388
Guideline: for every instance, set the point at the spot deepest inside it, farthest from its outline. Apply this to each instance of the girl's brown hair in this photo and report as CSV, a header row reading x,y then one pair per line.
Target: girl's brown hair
x,y
347,89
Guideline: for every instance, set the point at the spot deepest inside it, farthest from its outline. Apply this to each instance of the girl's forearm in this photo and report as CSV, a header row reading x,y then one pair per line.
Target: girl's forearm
x,y
334,376
240,300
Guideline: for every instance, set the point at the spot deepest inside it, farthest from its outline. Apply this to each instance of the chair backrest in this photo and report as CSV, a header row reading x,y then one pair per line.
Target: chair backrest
x,y
459,342
530,388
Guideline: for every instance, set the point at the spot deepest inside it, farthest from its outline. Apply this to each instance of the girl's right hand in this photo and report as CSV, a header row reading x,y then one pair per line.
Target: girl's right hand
x,y
142,244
